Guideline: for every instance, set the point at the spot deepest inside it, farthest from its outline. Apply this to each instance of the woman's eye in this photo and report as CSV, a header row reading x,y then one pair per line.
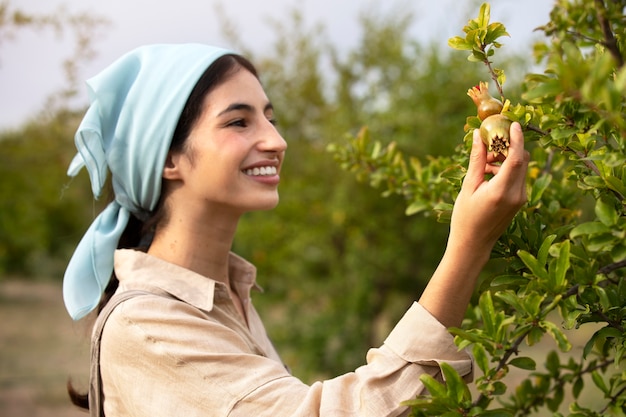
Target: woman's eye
x,y
238,123
273,121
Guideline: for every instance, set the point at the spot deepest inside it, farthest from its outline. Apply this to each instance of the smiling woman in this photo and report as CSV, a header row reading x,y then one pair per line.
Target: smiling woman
x,y
188,135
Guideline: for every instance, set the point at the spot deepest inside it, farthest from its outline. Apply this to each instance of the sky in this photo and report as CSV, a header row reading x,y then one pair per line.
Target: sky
x,y
31,62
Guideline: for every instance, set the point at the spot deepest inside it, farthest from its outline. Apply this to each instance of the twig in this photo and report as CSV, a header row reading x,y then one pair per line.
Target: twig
x,y
609,38
503,361
612,267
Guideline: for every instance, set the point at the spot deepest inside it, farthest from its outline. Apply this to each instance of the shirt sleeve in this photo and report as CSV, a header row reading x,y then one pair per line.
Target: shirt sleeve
x,y
174,360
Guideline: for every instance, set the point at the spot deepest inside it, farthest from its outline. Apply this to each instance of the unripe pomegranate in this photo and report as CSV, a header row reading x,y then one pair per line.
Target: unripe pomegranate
x,y
485,103
494,127
494,131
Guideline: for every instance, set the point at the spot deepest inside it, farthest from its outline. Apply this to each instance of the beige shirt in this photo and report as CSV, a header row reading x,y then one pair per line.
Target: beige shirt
x,y
193,354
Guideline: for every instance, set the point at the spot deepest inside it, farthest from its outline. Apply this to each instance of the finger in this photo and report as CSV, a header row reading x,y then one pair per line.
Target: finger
x,y
517,155
477,161
496,158
492,169
513,170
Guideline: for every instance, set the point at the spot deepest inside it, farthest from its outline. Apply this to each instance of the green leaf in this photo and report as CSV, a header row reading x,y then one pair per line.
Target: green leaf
x,y
561,340
416,207
557,398
562,266
542,254
508,280
577,387
606,212
553,363
488,313
477,56
428,405
498,388
523,362
459,43
589,228
480,356
434,387
615,184
602,242
484,14
464,334
511,299
618,253
494,31
533,265
496,413
539,187
599,381
457,388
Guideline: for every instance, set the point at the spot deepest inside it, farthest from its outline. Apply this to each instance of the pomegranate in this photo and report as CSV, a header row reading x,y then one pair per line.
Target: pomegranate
x,y
494,127
494,131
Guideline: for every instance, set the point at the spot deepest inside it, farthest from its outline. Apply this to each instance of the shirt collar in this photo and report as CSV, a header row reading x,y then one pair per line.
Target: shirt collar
x,y
140,270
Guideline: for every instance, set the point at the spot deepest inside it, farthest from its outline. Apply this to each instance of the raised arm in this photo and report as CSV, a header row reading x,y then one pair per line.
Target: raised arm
x,y
482,212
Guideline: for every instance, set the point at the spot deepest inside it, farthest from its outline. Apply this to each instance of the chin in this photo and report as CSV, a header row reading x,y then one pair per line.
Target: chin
x,y
267,204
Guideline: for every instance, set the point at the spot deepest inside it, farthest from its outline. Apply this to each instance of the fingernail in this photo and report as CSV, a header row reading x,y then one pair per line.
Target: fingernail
x,y
476,137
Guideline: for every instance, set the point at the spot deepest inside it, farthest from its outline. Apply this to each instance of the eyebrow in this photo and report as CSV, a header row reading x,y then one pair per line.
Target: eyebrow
x,y
244,107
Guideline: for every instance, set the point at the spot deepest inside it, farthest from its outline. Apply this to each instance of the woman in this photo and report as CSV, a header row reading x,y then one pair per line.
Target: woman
x,y
189,152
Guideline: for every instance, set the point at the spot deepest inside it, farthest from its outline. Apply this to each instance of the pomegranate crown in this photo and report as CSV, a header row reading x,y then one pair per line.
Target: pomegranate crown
x,y
479,92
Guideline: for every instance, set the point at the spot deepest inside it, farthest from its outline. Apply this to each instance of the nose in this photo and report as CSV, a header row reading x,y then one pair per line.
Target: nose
x,y
271,139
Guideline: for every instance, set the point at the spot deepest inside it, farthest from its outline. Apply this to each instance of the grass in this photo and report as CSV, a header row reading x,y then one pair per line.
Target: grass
x,y
40,348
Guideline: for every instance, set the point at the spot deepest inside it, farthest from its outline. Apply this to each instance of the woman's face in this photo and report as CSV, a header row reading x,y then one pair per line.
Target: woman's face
x,y
234,153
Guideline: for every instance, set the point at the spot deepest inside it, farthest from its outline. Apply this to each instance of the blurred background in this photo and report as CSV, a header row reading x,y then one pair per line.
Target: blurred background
x,y
339,264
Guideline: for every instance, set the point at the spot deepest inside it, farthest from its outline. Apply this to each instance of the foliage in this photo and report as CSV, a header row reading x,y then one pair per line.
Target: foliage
x,y
40,216
562,260
38,226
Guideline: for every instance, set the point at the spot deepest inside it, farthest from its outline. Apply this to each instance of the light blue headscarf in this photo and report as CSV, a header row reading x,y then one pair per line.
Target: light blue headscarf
x,y
127,130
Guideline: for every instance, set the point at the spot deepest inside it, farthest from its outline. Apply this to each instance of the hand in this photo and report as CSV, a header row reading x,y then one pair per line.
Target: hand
x,y
482,212
485,208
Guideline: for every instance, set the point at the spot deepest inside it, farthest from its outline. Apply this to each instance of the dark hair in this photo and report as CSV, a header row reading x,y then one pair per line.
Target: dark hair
x,y
136,231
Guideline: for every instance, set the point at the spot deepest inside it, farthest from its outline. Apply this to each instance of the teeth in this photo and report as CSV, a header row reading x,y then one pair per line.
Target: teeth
x,y
261,171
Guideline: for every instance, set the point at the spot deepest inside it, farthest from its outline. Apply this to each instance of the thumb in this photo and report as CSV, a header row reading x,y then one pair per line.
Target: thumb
x,y
477,161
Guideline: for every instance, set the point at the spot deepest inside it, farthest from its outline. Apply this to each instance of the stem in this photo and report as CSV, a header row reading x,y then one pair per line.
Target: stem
x,y
503,361
537,129
607,320
613,400
612,267
609,38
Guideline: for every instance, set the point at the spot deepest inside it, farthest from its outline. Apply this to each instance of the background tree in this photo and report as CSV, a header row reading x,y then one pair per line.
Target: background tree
x,y
38,212
562,260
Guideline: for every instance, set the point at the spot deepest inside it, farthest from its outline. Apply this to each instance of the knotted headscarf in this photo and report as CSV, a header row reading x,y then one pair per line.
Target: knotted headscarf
x,y
127,130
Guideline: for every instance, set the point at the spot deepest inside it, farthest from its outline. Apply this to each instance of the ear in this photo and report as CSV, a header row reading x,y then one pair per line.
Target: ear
x,y
171,169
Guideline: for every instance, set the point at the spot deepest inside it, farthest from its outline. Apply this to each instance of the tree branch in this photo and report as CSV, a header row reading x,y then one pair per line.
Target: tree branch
x,y
612,267
609,38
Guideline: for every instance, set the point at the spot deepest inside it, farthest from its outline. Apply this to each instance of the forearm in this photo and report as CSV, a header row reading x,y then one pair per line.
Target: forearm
x,y
482,212
448,293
